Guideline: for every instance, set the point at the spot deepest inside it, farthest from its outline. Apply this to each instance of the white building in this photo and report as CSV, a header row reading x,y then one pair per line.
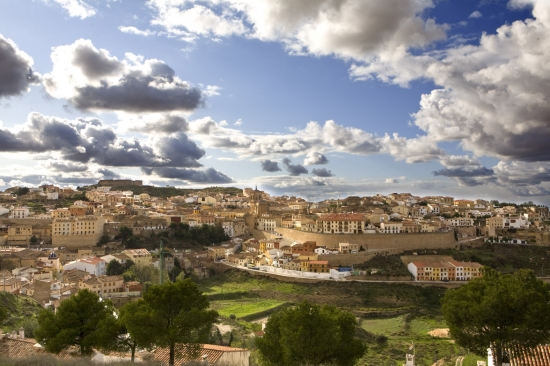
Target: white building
x,y
391,227
52,195
19,213
460,221
92,265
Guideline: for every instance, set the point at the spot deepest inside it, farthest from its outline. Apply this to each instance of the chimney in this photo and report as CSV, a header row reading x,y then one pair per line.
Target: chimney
x,y
204,360
13,335
21,333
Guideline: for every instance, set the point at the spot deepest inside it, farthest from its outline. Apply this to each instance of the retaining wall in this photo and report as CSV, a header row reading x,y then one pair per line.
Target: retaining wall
x,y
371,241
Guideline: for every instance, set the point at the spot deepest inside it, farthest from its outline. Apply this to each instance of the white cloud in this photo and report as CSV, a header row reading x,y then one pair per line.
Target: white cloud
x,y
475,14
139,32
239,122
211,90
76,8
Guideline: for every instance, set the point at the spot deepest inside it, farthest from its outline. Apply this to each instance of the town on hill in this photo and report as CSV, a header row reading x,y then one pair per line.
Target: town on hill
x,y
117,238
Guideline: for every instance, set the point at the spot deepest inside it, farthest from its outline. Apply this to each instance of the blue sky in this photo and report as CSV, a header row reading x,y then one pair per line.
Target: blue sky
x,y
312,98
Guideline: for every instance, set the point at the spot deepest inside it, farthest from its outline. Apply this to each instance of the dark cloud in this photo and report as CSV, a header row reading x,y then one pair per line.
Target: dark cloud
x,y
85,141
270,166
322,172
468,176
91,79
209,175
294,169
465,172
108,174
15,70
66,167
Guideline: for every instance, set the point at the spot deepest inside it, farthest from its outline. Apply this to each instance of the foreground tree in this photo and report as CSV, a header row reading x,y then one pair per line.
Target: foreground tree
x,y
180,315
74,324
499,311
133,328
310,335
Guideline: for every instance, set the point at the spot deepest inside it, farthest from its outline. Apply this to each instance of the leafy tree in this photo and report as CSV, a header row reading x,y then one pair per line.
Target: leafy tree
x,y
103,240
310,335
130,330
141,274
499,311
180,313
114,268
3,314
33,240
125,232
21,191
74,324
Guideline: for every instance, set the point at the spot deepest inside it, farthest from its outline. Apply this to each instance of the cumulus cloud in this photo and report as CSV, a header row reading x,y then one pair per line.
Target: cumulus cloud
x,y
294,169
92,79
302,182
365,29
322,172
87,140
65,167
76,8
475,14
315,158
391,181
209,175
16,74
270,166
517,173
153,123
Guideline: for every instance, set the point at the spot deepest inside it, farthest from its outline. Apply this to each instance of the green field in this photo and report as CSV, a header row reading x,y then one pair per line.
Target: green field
x,y
244,307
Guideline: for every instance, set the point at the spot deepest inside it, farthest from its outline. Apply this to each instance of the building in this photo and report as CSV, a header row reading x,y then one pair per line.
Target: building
x,y
19,213
460,221
391,227
140,257
209,354
318,266
346,248
77,231
444,270
267,222
19,234
342,224
104,286
91,265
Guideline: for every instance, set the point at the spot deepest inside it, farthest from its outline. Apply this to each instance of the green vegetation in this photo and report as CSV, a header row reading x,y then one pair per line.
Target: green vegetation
x,y
386,265
244,307
20,312
310,334
165,192
522,318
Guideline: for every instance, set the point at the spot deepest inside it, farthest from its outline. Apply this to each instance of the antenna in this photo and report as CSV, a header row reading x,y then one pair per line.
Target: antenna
x,y
161,263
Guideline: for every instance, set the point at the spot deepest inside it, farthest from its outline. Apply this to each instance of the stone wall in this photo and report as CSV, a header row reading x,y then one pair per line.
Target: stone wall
x,y
373,241
76,241
355,258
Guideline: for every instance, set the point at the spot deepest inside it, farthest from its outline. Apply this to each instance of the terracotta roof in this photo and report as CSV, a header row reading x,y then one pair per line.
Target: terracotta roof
x,y
22,348
183,353
540,356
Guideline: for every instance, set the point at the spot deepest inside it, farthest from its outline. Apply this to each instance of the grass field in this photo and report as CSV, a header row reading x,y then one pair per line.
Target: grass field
x,y
244,307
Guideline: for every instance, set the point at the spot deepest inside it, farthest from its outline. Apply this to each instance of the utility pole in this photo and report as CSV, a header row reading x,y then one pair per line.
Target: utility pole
x,y
161,263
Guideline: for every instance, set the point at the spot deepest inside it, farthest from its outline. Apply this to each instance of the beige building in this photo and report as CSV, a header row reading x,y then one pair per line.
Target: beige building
x,y
342,224
103,285
19,234
77,231
140,257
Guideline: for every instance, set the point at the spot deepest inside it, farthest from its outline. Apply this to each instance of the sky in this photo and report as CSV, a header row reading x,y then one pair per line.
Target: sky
x,y
313,98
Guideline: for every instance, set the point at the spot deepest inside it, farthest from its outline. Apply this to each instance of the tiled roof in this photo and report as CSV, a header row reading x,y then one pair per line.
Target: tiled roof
x,y
184,353
539,356
21,348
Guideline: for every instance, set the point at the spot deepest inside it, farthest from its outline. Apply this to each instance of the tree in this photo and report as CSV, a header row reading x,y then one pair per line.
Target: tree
x,y
310,334
3,314
33,240
499,311
74,324
181,315
125,232
114,268
21,191
103,240
130,330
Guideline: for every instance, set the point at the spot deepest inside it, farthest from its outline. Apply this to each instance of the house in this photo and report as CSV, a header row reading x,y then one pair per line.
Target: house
x,y
92,265
342,223
346,248
444,270
538,356
209,354
140,257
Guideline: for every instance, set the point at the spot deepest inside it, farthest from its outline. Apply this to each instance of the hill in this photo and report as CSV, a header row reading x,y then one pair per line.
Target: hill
x,y
22,312
165,192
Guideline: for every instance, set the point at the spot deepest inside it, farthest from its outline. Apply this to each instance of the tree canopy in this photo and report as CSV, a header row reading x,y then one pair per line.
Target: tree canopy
x,y
75,323
310,335
181,315
499,311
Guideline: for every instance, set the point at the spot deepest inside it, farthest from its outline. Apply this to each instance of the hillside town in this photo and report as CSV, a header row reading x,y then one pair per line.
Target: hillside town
x,y
113,241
